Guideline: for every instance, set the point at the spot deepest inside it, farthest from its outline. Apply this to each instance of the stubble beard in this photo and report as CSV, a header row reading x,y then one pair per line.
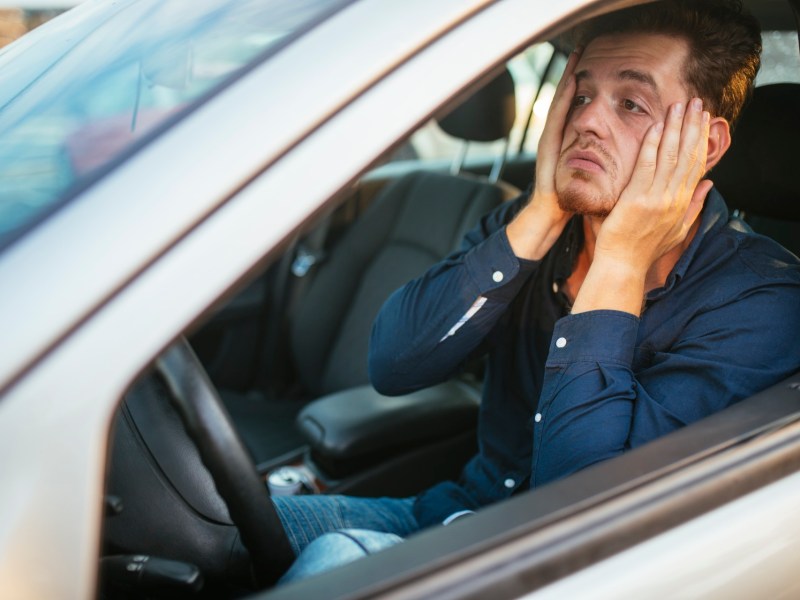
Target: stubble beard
x,y
581,202
578,199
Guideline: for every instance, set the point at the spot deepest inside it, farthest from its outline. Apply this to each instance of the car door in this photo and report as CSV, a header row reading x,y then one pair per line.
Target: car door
x,y
220,217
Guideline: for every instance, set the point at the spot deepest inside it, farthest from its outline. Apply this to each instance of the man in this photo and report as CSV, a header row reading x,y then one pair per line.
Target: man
x,y
614,303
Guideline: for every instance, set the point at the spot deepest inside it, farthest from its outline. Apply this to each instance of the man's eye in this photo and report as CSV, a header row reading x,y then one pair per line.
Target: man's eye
x,y
631,106
581,100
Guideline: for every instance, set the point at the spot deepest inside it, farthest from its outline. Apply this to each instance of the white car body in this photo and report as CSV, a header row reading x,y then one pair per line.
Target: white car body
x,y
96,291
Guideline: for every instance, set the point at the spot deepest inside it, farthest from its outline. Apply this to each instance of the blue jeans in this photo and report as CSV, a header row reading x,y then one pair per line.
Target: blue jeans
x,y
355,527
338,548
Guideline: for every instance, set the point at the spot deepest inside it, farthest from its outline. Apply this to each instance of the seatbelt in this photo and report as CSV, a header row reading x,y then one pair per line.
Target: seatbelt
x,y
274,325
292,277
294,274
311,249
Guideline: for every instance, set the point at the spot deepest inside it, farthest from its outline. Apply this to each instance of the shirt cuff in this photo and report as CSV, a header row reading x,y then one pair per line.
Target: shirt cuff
x,y
603,336
494,267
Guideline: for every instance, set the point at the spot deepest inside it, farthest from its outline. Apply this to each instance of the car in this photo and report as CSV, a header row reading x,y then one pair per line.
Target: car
x,y
181,187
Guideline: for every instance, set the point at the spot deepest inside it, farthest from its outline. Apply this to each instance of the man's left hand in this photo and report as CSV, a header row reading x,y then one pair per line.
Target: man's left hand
x,y
655,211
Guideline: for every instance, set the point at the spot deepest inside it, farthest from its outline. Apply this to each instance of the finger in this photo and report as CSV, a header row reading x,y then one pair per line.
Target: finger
x,y
693,151
562,98
553,132
696,145
647,161
669,150
567,77
692,141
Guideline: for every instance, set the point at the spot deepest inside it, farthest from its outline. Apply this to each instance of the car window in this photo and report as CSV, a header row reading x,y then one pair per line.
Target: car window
x,y
74,109
534,85
780,60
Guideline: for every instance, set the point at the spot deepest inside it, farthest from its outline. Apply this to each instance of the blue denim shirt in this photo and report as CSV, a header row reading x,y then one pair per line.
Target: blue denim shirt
x,y
563,391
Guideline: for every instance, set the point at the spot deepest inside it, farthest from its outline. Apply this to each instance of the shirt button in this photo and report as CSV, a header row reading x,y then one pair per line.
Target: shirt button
x,y
537,417
497,276
555,287
561,342
509,483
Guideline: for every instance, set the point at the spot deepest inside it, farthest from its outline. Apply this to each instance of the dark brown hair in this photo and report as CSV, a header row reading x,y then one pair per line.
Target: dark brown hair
x,y
724,45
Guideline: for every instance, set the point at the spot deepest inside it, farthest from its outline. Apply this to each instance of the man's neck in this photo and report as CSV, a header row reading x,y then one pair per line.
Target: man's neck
x,y
656,276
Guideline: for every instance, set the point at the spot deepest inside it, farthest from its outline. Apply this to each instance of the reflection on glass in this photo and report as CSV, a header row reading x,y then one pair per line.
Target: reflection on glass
x,y
81,89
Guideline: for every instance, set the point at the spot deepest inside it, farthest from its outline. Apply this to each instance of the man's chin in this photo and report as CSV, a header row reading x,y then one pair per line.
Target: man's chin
x,y
581,203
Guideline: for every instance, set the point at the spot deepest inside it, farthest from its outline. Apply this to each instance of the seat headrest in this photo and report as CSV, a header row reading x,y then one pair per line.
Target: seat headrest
x,y
760,172
487,115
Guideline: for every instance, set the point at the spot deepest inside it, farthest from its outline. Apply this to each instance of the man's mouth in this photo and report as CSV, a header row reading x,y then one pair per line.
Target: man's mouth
x,y
585,160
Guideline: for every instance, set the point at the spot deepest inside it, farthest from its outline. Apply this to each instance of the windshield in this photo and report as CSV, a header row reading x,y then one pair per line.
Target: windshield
x,y
82,89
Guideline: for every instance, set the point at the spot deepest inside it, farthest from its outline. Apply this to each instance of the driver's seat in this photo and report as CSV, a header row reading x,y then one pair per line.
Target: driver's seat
x,y
415,221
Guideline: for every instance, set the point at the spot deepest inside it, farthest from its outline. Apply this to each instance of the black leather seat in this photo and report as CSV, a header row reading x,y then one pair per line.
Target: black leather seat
x,y
413,222
759,175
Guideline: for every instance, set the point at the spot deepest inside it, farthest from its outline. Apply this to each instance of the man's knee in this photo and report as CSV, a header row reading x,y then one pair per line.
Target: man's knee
x,y
338,548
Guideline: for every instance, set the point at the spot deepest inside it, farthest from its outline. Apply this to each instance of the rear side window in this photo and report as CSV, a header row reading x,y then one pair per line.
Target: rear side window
x,y
780,59
534,86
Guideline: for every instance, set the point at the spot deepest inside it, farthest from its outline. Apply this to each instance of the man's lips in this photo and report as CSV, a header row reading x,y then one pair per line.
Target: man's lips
x,y
585,161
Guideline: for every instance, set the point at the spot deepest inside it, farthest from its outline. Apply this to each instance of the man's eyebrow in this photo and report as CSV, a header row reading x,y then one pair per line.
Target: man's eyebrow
x,y
645,79
626,74
640,76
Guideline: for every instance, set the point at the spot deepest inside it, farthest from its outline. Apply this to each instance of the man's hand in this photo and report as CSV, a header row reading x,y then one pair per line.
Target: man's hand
x,y
654,214
537,227
665,194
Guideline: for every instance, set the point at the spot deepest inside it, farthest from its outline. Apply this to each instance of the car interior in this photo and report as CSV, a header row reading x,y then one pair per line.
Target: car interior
x,y
271,393
414,220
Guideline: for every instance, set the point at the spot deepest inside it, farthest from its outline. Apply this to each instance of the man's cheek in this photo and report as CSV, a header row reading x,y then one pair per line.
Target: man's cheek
x,y
632,155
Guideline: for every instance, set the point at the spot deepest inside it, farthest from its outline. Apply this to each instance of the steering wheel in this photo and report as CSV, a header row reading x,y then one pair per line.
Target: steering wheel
x,y
224,455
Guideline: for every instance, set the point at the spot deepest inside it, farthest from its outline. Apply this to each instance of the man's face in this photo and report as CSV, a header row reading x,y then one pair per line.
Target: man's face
x,y
625,84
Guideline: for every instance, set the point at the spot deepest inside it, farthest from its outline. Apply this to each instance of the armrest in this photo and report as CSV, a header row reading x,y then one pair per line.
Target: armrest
x,y
359,421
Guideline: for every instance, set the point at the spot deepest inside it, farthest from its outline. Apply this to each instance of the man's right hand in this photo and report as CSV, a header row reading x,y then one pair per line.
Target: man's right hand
x,y
534,231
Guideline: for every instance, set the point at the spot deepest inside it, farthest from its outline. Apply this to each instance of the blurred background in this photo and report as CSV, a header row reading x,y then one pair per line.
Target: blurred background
x,y
17,18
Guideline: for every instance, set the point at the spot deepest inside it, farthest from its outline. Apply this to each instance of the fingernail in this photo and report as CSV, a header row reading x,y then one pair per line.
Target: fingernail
x,y
658,128
706,116
678,108
697,104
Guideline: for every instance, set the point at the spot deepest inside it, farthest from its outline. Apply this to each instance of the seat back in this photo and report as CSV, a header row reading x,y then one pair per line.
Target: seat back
x,y
413,223
757,176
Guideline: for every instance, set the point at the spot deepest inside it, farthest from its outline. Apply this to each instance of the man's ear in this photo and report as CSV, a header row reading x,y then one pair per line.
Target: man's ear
x,y
719,140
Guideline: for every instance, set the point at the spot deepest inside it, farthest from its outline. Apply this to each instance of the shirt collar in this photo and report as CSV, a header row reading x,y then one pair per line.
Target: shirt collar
x,y
713,216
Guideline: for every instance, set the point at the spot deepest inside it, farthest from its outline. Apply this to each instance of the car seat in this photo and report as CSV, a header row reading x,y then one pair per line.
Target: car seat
x,y
413,222
757,175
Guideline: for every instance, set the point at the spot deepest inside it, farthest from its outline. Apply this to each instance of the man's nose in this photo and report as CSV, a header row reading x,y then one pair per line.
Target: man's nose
x,y
593,118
